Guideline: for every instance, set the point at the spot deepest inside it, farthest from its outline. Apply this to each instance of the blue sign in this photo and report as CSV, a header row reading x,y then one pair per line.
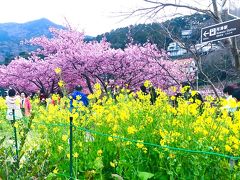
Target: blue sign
x,y
220,31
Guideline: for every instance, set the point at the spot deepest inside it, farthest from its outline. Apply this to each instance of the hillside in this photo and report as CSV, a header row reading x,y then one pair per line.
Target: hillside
x,y
155,32
11,34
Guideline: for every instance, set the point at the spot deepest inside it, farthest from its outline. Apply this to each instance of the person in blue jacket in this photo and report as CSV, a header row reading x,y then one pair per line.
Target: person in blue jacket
x,y
78,96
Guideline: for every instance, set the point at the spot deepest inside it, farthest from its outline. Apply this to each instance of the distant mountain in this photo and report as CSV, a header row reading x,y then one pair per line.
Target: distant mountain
x,y
12,33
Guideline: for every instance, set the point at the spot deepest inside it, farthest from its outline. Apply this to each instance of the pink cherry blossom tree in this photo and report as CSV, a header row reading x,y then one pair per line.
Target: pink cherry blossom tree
x,y
86,63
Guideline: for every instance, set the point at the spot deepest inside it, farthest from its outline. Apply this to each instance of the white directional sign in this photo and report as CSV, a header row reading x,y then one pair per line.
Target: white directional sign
x,y
220,31
234,8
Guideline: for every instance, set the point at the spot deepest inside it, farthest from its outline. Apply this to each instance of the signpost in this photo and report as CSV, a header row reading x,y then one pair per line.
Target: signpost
x,y
234,8
221,31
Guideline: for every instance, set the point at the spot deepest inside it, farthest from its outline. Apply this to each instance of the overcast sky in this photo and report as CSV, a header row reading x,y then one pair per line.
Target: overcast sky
x,y
91,16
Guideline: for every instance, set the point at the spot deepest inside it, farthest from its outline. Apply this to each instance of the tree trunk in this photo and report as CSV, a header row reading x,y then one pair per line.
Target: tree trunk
x,y
232,42
235,53
88,83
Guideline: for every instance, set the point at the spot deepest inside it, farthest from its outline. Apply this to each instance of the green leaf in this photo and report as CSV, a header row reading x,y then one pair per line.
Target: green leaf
x,y
50,176
2,140
145,175
98,164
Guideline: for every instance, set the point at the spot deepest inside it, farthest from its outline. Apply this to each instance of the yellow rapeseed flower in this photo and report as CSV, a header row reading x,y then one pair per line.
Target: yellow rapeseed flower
x,y
113,164
162,142
58,70
75,155
115,127
149,119
97,86
171,155
147,83
228,148
193,93
55,97
232,103
61,83
128,142
235,146
213,138
16,125
110,138
140,144
55,171
64,137
99,152
131,130
55,129
216,148
78,97
60,148
144,150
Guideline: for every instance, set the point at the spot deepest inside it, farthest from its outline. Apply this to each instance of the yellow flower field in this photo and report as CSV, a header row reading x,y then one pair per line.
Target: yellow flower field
x,y
126,137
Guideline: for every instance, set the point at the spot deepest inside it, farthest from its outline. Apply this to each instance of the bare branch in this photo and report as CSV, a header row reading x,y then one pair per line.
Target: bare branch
x,y
160,5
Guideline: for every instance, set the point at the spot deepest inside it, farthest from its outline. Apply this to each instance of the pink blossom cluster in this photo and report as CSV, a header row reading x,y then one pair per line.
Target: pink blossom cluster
x,y
86,63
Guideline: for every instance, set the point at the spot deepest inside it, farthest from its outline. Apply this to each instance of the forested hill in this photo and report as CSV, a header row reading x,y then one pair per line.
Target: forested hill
x,y
155,33
12,33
